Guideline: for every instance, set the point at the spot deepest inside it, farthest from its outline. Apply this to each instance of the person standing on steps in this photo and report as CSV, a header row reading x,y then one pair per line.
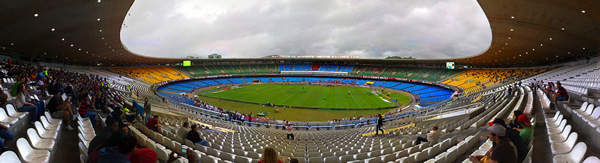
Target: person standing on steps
x,y
379,125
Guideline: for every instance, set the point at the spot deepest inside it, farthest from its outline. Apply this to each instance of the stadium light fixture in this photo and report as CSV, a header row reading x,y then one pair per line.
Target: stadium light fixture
x,y
526,52
583,48
568,52
63,39
35,15
100,31
583,11
52,29
563,28
98,19
550,38
509,38
511,29
71,45
519,55
533,49
103,38
512,17
99,1
541,44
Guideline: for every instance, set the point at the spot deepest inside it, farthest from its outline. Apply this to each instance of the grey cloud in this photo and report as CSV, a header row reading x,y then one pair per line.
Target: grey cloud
x,y
424,29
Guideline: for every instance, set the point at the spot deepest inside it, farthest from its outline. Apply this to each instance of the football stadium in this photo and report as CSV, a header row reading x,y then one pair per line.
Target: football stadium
x,y
299,81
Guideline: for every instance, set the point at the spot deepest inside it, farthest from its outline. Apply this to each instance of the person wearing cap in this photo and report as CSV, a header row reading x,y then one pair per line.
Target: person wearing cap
x,y
504,152
527,132
514,137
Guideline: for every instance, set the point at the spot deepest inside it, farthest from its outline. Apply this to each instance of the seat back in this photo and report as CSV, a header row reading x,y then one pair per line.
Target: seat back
x,y
10,157
82,149
240,159
591,159
10,109
38,126
578,152
44,121
24,148
33,136
596,114
562,124
3,114
584,106
589,109
331,159
571,140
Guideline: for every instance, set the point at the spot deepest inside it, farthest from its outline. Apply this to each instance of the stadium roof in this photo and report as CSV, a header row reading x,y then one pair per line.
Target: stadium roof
x,y
525,33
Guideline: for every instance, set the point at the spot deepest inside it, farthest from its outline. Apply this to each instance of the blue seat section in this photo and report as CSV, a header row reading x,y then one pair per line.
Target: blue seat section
x,y
330,79
377,83
236,80
223,81
170,90
248,80
437,93
360,82
435,99
328,68
294,79
344,68
198,83
311,79
348,81
177,98
404,85
278,80
210,82
417,87
390,84
427,90
264,80
302,67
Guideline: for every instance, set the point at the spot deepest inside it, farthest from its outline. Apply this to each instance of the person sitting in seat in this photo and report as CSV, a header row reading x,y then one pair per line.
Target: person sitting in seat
x,y
269,155
182,132
5,136
61,109
504,151
153,124
194,136
561,93
432,136
527,132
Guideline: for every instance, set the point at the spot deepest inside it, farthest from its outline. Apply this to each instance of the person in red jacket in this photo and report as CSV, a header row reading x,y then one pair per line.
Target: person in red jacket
x,y
153,124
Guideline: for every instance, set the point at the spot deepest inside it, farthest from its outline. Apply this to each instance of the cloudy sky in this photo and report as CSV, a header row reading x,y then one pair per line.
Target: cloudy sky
x,y
425,29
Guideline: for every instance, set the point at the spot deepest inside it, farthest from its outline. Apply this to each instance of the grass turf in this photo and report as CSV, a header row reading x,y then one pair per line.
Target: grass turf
x,y
307,96
293,114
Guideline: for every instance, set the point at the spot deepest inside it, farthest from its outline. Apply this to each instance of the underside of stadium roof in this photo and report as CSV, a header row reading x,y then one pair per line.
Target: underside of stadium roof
x,y
87,32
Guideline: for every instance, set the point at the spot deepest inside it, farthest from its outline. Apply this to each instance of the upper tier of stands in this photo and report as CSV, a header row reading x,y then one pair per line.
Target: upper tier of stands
x,y
198,71
477,79
151,74
426,74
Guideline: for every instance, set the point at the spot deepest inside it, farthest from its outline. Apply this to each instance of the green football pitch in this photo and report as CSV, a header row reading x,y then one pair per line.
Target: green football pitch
x,y
307,96
349,97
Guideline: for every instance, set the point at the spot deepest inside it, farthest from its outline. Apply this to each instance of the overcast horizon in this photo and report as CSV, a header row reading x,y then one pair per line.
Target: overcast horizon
x,y
252,29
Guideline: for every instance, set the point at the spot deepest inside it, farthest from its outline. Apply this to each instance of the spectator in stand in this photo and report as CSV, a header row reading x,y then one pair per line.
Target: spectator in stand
x,y
86,107
289,132
5,136
147,109
153,124
561,93
182,132
379,125
61,109
514,137
112,128
23,105
3,98
514,122
118,149
137,109
117,115
432,136
269,155
504,151
194,136
527,132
